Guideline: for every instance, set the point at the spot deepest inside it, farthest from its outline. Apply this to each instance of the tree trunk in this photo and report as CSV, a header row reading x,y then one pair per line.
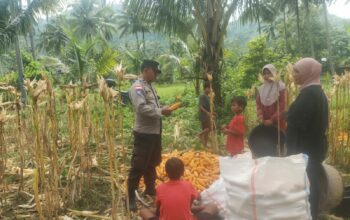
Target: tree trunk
x,y
259,25
298,22
212,52
258,15
31,40
137,41
143,41
213,26
309,34
47,17
329,45
20,70
285,30
197,70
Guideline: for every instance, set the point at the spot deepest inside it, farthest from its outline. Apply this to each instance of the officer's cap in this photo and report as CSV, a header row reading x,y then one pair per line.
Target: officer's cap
x,y
151,64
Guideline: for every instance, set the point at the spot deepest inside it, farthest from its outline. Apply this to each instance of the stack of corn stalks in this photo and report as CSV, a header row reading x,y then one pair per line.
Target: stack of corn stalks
x,y
47,173
212,134
291,88
339,126
108,95
47,137
79,127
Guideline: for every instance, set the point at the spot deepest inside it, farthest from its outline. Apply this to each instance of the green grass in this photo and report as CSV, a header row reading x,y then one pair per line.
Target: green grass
x,y
170,91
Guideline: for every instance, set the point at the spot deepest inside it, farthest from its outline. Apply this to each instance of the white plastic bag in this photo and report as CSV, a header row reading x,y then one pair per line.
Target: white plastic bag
x,y
216,193
268,188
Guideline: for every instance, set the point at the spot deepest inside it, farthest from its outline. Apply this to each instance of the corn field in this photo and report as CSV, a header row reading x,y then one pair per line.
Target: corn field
x,y
339,124
63,144
65,149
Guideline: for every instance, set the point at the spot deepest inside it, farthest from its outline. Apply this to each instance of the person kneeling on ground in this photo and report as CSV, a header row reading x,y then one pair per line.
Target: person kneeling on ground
x,y
175,197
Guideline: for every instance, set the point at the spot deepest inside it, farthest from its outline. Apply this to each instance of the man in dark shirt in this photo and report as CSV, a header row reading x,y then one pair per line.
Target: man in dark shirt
x,y
204,114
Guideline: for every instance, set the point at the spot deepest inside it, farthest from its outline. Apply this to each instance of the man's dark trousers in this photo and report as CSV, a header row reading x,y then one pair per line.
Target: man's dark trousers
x,y
146,157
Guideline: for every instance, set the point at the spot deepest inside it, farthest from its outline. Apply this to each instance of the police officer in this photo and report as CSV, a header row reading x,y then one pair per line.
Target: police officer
x,y
147,131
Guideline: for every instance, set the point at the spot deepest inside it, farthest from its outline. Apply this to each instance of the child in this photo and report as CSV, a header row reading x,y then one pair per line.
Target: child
x,y
174,198
263,141
270,94
204,114
235,130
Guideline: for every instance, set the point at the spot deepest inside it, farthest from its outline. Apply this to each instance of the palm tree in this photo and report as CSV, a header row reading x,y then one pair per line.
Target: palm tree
x,y
293,6
212,18
90,19
257,11
54,37
282,6
84,56
15,21
329,46
131,23
47,7
307,4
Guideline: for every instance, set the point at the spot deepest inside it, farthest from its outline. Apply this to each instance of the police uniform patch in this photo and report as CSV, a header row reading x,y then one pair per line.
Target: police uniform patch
x,y
138,89
139,92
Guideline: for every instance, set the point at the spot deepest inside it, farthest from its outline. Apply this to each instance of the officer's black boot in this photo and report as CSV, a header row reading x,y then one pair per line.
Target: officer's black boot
x,y
150,179
133,182
132,200
150,190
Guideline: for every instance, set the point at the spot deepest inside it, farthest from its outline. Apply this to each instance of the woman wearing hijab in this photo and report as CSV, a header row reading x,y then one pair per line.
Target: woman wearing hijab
x,y
270,100
307,123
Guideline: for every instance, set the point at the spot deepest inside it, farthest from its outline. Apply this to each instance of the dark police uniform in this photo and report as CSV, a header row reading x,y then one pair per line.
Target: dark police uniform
x,y
147,137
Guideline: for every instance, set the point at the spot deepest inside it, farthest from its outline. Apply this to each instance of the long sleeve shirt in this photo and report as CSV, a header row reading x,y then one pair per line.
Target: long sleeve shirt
x,y
270,112
307,124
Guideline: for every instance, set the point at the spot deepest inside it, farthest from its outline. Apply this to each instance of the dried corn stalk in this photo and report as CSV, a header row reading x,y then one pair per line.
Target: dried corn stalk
x,y
339,130
109,132
46,145
213,134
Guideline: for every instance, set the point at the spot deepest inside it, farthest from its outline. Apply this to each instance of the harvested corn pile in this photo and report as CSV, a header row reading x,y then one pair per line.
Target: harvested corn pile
x,y
201,168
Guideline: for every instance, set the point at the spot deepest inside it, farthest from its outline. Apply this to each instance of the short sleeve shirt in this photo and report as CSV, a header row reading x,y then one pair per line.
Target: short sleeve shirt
x,y
204,101
235,142
175,199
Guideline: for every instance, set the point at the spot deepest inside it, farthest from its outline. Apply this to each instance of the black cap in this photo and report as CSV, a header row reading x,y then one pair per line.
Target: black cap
x,y
150,64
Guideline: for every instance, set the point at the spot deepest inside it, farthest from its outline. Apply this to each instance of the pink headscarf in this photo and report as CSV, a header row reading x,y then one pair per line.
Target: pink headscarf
x,y
309,71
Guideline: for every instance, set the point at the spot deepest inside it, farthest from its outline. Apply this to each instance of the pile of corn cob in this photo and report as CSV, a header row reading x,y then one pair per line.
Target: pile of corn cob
x,y
201,168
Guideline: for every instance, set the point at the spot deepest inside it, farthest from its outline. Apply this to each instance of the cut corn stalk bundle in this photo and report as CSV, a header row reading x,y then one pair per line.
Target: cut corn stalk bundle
x,y
46,180
108,96
339,128
291,87
213,134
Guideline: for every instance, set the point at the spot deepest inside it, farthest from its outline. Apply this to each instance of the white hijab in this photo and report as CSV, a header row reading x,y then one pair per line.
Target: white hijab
x,y
269,90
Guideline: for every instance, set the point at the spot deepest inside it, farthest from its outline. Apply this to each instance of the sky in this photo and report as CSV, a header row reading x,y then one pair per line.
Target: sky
x,y
340,9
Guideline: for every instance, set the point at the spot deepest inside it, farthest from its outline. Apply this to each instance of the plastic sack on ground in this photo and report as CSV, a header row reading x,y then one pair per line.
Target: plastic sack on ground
x,y
267,188
216,194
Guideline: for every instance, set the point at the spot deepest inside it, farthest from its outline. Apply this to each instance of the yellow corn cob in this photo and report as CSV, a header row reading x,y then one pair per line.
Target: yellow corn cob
x,y
201,168
175,106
